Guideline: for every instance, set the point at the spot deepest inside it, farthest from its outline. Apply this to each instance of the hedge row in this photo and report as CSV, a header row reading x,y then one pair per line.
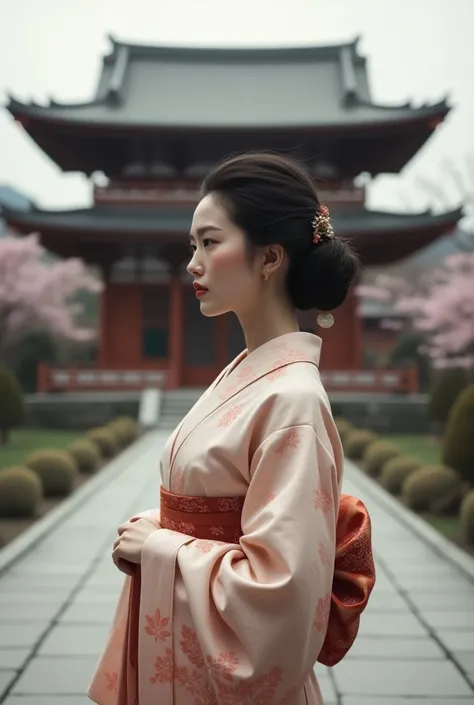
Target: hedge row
x,y
51,472
438,489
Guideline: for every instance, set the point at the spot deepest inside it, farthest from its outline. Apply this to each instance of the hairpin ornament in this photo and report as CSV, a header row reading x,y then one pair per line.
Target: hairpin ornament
x,y
322,228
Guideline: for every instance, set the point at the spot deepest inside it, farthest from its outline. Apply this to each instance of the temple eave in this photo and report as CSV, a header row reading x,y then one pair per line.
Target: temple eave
x,y
379,238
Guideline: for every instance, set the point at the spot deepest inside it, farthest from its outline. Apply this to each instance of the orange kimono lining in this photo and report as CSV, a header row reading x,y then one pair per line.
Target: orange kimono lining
x,y
219,518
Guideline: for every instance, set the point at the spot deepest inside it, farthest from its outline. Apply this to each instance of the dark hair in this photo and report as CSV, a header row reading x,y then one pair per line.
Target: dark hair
x,y
273,199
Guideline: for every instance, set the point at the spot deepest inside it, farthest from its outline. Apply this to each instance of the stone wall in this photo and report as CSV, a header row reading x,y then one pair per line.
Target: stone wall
x,y
384,414
79,411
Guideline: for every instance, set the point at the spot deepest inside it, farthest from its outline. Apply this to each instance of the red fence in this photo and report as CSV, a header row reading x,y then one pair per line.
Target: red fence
x,y
75,379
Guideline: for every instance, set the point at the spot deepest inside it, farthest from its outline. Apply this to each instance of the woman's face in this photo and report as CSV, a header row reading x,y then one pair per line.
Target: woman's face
x,y
220,262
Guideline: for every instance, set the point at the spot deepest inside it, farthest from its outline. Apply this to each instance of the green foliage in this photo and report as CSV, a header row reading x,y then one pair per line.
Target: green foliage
x,y
12,408
445,389
35,348
56,469
125,430
105,440
467,518
437,489
86,455
458,447
343,426
407,351
20,492
395,471
357,441
377,454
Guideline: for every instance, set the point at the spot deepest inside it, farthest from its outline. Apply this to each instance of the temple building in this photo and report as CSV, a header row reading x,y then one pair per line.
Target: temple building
x,y
161,116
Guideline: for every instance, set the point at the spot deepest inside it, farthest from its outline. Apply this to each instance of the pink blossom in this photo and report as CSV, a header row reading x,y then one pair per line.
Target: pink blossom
x,y
440,305
35,294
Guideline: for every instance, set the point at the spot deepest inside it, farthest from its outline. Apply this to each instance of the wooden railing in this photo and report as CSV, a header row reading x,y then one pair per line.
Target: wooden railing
x,y
398,381
74,379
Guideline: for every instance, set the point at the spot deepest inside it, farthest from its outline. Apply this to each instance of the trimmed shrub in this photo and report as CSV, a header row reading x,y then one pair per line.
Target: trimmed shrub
x,y
395,471
445,389
357,441
12,408
20,492
458,446
105,440
56,469
125,430
433,488
467,518
86,454
377,454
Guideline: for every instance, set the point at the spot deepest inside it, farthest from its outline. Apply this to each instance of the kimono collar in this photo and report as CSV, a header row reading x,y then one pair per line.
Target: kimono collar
x,y
268,360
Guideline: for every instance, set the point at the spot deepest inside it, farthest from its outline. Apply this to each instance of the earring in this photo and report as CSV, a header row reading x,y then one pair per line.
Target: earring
x,y
265,276
325,320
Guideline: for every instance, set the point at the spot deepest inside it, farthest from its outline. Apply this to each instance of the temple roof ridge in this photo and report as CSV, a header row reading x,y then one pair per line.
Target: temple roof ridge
x,y
235,51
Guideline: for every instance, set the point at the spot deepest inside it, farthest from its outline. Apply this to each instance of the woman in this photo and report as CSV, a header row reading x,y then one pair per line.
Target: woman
x,y
252,555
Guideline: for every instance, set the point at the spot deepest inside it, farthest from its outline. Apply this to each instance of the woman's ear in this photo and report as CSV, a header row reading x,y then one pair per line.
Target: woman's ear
x,y
273,258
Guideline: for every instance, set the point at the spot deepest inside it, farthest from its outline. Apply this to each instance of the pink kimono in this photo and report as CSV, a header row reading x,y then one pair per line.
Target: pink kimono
x,y
240,617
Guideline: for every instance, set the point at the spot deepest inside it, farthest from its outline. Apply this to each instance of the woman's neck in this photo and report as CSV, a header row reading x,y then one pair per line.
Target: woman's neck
x,y
260,326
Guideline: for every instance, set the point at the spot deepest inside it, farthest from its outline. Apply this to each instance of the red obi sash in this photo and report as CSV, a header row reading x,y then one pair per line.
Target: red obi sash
x,y
219,518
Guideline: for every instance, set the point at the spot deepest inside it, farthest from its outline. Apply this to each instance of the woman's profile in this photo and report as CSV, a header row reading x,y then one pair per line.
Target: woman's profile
x,y
254,567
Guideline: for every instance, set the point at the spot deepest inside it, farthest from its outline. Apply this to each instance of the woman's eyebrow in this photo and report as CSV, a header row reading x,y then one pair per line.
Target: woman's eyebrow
x,y
200,232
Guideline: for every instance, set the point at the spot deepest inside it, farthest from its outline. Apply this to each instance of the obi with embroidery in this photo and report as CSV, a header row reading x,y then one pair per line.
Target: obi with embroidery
x,y
219,518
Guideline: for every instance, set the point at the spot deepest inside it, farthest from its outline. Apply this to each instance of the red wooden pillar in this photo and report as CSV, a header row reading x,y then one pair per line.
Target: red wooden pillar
x,y
342,344
175,352
102,332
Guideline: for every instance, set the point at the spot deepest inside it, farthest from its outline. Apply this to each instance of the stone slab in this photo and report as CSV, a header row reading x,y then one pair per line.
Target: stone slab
x,y
456,640
49,700
38,566
32,612
395,648
6,678
462,621
40,583
465,660
13,658
89,596
15,634
451,584
435,601
75,640
437,679
349,700
391,624
49,676
94,613
386,602
15,597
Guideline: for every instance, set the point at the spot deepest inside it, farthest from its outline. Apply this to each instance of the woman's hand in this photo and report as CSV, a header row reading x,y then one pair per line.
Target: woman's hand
x,y
127,551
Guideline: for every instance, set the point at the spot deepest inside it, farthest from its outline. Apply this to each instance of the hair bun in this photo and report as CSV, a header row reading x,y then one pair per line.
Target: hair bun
x,y
322,276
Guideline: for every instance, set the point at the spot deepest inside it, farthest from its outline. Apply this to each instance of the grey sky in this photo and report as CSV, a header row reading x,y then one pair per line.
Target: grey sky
x,y
418,50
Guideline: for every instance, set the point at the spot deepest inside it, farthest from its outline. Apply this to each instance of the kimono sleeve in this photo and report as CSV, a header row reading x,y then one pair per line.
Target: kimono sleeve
x,y
261,609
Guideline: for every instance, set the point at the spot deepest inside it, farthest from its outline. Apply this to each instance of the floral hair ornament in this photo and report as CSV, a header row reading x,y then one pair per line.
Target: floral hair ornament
x,y
322,228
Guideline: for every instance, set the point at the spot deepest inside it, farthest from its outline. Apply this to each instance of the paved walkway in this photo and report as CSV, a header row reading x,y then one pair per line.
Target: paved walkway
x,y
416,644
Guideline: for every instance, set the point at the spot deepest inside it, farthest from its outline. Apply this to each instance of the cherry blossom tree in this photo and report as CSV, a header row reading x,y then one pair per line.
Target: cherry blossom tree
x,y
440,305
36,295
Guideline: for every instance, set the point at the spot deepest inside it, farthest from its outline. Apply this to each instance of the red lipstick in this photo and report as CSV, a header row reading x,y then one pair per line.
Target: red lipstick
x,y
199,289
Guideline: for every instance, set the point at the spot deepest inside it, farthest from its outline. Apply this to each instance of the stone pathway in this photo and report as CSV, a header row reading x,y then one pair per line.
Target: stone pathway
x,y
416,644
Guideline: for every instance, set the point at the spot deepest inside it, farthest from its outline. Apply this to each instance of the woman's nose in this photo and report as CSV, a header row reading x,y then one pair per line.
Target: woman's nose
x,y
194,266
